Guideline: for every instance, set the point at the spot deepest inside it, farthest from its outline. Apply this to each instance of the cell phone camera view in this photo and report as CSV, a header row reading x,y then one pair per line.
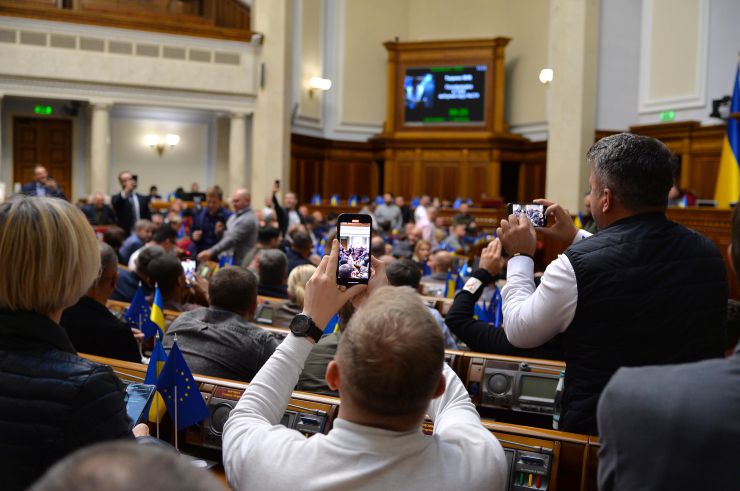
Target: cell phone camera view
x,y
354,233
533,211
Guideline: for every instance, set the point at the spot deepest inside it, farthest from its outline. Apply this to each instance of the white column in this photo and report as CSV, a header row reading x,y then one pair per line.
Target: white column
x,y
271,122
237,153
8,185
572,115
100,148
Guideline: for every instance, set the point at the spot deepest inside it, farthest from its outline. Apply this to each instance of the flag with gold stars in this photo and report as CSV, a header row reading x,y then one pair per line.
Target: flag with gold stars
x,y
180,391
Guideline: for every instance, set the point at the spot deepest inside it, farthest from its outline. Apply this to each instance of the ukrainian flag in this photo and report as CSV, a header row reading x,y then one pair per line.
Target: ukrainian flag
x,y
578,221
156,364
728,181
157,315
450,285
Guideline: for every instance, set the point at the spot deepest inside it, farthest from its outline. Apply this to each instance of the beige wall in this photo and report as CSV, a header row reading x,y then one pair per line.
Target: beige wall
x,y
368,23
674,41
311,65
180,166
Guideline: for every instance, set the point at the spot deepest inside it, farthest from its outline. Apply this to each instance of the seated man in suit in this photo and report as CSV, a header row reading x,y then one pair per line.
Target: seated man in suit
x,y
130,280
129,205
300,250
673,426
390,372
404,272
272,273
97,212
142,234
42,185
220,340
90,325
164,237
441,263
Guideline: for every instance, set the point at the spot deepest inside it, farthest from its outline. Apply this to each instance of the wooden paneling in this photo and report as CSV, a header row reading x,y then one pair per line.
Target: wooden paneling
x,y
220,19
43,141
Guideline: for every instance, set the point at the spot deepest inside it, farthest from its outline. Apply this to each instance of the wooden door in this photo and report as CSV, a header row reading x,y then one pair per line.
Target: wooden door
x,y
43,141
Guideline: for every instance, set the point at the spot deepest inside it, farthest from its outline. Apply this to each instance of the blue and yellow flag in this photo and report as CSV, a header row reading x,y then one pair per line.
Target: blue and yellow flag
x,y
138,311
578,221
333,325
727,189
156,364
180,391
450,285
156,318
334,200
316,200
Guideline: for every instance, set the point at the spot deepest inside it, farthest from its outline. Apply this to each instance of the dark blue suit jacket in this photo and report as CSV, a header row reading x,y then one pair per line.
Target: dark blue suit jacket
x,y
29,189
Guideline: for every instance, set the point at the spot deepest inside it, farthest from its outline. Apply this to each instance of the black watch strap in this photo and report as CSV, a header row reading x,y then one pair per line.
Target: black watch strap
x,y
303,326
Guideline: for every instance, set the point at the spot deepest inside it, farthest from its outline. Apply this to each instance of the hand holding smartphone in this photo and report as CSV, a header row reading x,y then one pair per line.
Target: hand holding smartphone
x,y
354,232
535,212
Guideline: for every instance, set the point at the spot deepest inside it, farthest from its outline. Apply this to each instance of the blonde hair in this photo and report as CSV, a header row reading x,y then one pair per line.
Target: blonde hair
x,y
390,356
297,280
49,256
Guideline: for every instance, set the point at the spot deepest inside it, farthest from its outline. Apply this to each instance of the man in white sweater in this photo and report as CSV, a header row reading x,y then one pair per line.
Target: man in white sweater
x,y
389,372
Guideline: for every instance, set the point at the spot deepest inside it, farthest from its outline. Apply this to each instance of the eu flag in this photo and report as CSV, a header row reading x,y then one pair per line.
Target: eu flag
x,y
180,391
138,312
156,364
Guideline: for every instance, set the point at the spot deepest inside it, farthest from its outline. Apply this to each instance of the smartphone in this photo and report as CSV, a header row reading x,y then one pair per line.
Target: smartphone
x,y
354,231
137,399
533,211
277,183
188,267
264,314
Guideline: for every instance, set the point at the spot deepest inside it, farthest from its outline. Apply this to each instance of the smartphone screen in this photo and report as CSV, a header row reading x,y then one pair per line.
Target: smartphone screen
x,y
533,211
188,267
354,232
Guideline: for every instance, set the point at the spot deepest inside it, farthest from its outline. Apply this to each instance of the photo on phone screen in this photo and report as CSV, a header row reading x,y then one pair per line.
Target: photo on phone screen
x,y
188,267
533,211
354,232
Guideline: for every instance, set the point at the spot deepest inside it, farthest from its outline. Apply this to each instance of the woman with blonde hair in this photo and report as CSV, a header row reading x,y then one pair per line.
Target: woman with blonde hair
x,y
53,400
297,280
422,251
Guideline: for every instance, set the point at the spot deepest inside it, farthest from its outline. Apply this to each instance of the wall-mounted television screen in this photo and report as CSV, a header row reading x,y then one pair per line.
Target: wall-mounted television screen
x,y
444,95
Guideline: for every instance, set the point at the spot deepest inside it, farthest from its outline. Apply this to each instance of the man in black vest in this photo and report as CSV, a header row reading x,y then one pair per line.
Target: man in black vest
x,y
642,291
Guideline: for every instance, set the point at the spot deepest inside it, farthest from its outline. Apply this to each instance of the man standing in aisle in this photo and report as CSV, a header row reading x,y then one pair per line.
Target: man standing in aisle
x,y
240,236
129,205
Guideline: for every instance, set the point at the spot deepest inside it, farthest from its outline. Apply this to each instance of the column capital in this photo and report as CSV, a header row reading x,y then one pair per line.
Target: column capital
x,y
238,115
100,103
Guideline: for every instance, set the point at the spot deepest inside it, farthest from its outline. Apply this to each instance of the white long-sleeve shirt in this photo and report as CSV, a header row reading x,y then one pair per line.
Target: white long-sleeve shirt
x,y
259,453
532,316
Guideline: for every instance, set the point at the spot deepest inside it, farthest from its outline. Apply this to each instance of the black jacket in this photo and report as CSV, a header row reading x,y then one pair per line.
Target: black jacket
x,y
650,292
52,402
92,329
481,337
106,215
125,212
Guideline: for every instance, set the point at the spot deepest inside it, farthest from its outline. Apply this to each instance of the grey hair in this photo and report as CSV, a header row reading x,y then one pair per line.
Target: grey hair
x,y
639,170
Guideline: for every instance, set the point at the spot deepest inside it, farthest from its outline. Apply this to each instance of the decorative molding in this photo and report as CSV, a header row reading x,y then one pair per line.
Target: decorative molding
x,y
647,105
56,89
534,131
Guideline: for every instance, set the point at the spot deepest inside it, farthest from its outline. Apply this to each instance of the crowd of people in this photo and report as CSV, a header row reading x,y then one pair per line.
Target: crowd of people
x,y
637,310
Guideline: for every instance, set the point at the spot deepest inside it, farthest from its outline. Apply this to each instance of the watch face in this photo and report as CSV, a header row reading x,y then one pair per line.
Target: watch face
x,y
300,325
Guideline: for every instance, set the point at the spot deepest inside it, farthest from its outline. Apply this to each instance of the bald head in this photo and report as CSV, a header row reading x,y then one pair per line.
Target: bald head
x,y
392,340
40,174
441,262
240,199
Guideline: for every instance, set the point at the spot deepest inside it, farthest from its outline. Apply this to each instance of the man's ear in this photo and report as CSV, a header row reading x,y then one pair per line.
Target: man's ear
x,y
608,203
332,375
441,386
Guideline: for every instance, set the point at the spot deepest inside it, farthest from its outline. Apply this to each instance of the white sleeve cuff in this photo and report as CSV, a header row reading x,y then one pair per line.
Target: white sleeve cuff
x,y
580,235
520,264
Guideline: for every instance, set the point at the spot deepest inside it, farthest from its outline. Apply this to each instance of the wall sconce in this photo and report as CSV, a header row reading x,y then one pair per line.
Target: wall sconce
x,y
159,144
318,83
546,75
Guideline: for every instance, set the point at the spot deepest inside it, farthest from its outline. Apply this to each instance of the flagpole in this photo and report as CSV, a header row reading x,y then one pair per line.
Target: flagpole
x,y
156,395
138,341
174,342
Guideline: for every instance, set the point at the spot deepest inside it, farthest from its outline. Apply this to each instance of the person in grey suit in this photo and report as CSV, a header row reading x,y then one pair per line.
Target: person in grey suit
x,y
673,426
220,341
240,236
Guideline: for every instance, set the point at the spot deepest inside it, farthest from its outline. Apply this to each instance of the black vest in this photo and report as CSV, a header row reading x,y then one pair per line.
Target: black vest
x,y
650,292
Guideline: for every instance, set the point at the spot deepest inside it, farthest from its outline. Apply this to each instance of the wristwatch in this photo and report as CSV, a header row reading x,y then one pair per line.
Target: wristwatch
x,y
303,326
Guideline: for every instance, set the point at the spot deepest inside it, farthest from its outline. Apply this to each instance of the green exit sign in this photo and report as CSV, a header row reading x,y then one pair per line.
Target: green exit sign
x,y
43,110
667,116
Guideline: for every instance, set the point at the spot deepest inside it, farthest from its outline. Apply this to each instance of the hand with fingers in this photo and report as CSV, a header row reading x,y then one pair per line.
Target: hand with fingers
x,y
490,257
323,296
517,235
378,278
562,227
